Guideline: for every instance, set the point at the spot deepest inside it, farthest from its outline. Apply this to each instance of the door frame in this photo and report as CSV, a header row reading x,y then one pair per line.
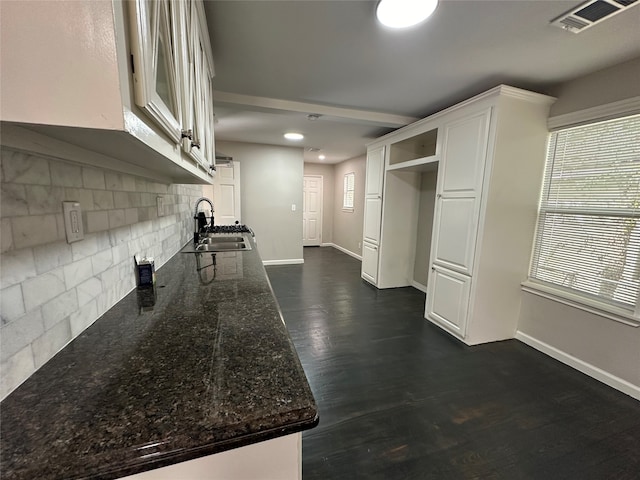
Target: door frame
x,y
321,210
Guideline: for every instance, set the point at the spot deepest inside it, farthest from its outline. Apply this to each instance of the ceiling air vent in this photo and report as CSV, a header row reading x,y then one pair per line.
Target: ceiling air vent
x,y
589,13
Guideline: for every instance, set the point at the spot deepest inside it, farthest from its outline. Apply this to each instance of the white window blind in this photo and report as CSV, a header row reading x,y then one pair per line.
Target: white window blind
x,y
588,234
349,190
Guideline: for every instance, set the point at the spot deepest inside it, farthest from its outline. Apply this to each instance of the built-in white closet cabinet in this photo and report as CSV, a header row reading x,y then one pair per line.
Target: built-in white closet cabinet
x,y
489,155
121,85
372,213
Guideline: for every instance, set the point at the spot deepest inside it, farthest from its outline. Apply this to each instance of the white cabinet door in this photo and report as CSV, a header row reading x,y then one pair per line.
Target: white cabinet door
x,y
199,138
448,299
156,27
370,262
459,192
372,218
375,172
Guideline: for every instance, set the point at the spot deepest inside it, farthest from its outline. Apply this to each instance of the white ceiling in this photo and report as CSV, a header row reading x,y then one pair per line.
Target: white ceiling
x,y
278,61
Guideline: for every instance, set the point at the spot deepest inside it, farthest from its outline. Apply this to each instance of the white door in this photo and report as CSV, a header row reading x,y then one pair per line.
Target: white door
x,y
226,194
312,211
459,192
448,299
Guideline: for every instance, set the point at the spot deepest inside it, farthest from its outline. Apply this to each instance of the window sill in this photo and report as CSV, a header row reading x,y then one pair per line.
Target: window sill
x,y
588,305
348,210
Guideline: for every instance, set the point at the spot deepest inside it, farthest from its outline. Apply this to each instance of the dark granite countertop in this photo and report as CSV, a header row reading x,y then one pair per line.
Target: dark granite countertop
x,y
198,366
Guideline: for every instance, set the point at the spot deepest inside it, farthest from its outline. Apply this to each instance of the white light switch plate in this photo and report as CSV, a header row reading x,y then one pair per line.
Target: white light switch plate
x,y
293,207
73,221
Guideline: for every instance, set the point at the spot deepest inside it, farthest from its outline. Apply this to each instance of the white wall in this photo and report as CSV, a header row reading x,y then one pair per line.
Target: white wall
x,y
52,290
595,342
425,226
327,174
347,226
270,183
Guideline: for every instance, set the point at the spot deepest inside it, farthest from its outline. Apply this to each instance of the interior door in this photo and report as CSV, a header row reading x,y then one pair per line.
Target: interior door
x,y
312,211
226,194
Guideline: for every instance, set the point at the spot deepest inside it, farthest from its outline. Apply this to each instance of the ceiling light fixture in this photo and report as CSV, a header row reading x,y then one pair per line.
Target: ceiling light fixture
x,y
321,157
293,136
404,13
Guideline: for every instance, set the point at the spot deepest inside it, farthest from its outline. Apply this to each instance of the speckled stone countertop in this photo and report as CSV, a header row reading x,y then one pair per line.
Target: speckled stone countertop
x,y
200,366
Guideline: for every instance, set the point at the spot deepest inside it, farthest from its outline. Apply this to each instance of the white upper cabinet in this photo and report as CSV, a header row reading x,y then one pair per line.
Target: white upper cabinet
x,y
375,172
157,30
108,83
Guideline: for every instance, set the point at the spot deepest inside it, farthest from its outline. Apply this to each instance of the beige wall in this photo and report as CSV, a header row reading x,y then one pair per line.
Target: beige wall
x,y
327,173
53,290
605,86
607,345
270,183
347,226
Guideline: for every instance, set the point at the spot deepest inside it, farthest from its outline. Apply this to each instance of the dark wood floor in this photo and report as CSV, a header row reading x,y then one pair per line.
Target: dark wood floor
x,y
400,399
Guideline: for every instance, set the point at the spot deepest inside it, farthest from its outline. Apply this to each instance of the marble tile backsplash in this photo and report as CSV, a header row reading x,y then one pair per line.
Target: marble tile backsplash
x,y
50,291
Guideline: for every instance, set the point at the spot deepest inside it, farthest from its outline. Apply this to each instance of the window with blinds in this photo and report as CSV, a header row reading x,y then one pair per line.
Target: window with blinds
x,y
349,191
588,234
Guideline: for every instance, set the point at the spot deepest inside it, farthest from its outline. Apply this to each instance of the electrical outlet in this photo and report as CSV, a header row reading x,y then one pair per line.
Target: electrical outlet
x,y
359,245
73,221
160,204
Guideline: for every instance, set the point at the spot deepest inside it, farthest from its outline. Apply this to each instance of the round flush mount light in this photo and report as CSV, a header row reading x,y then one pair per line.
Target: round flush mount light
x,y
404,13
321,157
293,136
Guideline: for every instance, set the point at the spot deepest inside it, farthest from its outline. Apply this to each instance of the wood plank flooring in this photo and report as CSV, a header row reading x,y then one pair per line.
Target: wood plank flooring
x,y
400,399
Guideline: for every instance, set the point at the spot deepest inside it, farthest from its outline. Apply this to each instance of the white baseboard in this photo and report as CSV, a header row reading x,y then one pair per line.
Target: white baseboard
x,y
582,366
419,286
286,261
343,250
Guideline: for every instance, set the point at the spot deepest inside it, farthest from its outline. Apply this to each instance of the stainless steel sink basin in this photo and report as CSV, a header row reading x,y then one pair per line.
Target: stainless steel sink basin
x,y
216,238
222,247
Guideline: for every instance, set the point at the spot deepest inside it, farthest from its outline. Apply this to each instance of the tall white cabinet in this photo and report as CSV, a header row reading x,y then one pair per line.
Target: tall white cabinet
x,y
489,156
372,213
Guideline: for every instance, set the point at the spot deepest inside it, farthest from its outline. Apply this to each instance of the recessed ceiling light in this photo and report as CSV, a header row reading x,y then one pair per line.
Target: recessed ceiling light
x,y
321,157
404,13
293,136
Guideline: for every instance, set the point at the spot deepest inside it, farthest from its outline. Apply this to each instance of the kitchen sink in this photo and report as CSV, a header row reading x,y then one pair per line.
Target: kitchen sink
x,y
217,238
222,247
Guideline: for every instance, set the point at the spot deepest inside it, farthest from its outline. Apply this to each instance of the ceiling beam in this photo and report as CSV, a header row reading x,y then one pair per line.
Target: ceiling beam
x,y
363,116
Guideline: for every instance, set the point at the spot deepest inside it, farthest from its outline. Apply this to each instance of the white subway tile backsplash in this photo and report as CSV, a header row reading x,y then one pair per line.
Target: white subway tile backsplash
x,y
59,308
13,201
103,200
44,199
41,289
34,230
65,174
17,266
93,178
16,369
51,342
83,317
77,272
52,290
6,235
22,331
85,248
12,304
116,218
101,261
82,195
131,216
51,255
19,167
97,221
88,290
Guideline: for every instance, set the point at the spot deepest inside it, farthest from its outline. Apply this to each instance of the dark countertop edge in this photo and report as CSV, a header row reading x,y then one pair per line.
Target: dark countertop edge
x,y
175,458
